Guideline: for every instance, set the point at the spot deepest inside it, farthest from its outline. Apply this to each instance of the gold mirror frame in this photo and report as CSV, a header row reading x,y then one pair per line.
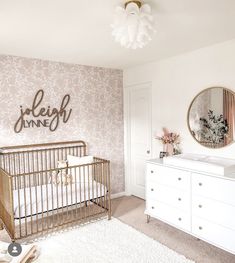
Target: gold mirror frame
x,y
188,114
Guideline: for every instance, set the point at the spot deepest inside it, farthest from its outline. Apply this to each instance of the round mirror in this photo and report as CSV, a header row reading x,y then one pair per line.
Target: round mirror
x,y
211,117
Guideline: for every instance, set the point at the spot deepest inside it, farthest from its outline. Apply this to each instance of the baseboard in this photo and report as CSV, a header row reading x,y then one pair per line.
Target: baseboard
x,y
113,196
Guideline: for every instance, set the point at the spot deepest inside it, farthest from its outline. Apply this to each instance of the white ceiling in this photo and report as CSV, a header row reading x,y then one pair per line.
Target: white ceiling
x,y
78,31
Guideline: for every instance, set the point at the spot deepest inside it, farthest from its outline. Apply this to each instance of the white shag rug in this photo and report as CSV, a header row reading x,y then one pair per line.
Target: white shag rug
x,y
105,241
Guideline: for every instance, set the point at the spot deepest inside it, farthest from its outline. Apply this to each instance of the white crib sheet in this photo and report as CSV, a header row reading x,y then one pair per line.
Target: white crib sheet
x,y
39,199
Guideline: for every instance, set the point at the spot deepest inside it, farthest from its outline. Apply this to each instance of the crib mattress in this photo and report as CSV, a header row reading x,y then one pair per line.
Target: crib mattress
x,y
35,200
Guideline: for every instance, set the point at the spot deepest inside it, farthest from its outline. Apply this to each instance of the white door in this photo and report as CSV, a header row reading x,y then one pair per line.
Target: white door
x,y
139,136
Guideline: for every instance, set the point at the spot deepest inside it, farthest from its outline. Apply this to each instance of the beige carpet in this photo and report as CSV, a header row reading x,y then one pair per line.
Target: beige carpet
x,y
130,210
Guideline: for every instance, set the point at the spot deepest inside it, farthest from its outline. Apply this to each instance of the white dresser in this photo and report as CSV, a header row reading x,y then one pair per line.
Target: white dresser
x,y
200,204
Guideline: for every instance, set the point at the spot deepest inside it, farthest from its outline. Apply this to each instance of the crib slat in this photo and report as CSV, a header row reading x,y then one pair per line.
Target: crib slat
x,y
84,190
101,182
99,187
46,182
66,190
92,185
24,195
71,191
97,180
41,198
80,191
25,202
19,204
9,167
4,163
109,193
104,184
40,158
87,167
58,217
51,185
14,171
62,198
30,195
36,192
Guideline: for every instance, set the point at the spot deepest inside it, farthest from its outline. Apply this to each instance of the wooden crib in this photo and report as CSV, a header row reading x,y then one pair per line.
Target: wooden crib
x,y
31,202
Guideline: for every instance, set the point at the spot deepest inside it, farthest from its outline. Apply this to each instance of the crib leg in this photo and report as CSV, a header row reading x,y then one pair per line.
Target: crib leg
x,y
148,218
109,214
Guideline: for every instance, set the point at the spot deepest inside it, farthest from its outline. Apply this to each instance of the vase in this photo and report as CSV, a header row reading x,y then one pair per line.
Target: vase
x,y
169,148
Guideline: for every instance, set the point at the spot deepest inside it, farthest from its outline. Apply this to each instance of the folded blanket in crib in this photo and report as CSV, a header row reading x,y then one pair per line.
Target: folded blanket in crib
x,y
28,252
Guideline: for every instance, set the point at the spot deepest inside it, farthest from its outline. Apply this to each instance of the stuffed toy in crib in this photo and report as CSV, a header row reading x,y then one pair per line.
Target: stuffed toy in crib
x,y
61,176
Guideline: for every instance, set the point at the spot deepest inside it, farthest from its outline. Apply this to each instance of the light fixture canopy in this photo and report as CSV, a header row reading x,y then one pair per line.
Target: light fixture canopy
x,y
138,2
133,24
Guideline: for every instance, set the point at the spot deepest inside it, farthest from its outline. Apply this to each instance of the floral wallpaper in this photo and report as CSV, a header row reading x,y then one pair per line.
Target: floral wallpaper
x,y
96,102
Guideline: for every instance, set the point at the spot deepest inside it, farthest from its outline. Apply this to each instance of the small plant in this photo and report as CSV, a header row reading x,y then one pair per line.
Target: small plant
x,y
214,128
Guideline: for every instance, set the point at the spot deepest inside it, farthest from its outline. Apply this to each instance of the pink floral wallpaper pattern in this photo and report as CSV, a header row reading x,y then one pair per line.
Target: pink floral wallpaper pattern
x,y
96,103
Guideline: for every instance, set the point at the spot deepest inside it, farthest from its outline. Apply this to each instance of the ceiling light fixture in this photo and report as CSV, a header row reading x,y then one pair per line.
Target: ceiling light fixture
x,y
133,24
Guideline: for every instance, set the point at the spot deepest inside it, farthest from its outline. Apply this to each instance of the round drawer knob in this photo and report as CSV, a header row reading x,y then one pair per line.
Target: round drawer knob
x,y
151,172
200,206
152,189
200,184
179,199
152,207
200,227
179,179
179,218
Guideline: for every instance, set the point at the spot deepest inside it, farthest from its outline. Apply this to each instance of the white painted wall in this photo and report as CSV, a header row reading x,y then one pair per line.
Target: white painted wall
x,y
175,82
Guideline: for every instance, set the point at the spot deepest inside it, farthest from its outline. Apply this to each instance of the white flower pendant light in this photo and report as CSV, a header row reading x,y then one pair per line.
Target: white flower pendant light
x,y
133,24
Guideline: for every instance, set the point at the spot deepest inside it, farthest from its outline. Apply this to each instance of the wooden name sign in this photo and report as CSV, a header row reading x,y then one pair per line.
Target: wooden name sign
x,y
37,116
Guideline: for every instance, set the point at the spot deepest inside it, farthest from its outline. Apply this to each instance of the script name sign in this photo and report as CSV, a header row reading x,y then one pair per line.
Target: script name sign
x,y
38,116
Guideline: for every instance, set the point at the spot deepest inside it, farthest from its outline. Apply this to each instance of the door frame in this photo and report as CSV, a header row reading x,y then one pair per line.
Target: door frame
x,y
127,133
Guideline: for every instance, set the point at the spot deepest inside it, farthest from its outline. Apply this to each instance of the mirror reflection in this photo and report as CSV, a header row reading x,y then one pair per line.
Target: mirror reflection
x,y
211,117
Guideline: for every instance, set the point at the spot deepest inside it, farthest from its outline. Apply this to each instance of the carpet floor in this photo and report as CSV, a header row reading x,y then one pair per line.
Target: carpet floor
x,y
130,210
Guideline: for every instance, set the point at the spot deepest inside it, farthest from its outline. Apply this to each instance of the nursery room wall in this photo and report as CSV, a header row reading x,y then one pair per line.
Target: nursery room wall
x,y
96,101
176,81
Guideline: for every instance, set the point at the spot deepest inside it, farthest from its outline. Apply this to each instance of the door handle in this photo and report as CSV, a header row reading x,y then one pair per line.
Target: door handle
x,y
148,152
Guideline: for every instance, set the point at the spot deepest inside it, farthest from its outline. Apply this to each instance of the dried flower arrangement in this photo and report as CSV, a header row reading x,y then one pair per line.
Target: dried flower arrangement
x,y
170,141
172,138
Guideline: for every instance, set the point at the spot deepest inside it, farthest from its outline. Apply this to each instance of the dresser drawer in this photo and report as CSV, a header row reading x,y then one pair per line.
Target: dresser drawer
x,y
214,211
213,233
215,188
168,176
169,214
168,195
